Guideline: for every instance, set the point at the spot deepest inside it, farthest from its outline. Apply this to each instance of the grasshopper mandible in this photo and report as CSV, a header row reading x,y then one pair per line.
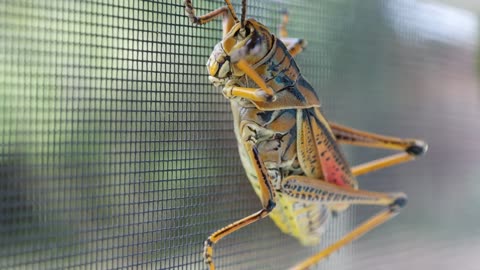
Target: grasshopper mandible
x,y
290,152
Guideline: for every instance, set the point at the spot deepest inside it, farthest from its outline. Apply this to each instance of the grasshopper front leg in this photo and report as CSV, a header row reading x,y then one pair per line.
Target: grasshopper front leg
x,y
262,94
229,16
267,195
232,90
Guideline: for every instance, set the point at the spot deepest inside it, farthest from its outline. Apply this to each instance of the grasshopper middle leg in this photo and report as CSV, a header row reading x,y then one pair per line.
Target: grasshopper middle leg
x,y
294,45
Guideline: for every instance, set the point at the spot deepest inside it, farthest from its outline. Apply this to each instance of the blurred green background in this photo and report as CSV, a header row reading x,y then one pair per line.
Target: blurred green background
x,y
116,152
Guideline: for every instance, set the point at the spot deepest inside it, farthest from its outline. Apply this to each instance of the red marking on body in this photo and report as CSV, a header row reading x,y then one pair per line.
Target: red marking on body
x,y
334,175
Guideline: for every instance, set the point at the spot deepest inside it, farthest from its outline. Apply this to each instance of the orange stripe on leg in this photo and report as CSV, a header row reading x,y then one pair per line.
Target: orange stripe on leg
x,y
381,163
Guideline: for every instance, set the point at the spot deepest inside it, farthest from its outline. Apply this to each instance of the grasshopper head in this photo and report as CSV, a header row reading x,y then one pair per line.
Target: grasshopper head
x,y
252,42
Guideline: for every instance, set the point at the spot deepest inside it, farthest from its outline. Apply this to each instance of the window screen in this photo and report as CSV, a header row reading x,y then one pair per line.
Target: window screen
x,y
116,151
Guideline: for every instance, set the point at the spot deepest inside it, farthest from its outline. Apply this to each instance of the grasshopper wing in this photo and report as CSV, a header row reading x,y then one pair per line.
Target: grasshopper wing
x,y
318,152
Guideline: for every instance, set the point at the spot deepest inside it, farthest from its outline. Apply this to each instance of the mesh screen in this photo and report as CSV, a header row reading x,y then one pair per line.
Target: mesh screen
x,y
116,151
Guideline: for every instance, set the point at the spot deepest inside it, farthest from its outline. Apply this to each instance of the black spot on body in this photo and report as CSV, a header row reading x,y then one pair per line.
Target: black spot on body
x,y
266,116
294,91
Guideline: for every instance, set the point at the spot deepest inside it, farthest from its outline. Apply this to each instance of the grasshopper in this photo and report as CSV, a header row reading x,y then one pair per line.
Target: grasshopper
x,y
290,152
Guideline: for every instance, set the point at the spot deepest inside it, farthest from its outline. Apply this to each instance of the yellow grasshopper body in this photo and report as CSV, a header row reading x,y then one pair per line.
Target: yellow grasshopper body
x,y
290,152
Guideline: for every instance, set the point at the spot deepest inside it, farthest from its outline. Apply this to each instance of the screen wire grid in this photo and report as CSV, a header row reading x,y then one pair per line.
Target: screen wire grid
x,y
117,153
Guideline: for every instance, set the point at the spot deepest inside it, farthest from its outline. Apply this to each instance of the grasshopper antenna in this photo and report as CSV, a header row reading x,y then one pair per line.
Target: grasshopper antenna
x,y
244,12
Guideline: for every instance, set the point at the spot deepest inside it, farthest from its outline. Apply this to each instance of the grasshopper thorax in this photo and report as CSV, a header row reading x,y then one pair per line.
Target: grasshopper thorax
x,y
252,42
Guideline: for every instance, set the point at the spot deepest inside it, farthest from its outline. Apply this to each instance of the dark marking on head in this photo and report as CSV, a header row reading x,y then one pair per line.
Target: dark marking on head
x,y
254,40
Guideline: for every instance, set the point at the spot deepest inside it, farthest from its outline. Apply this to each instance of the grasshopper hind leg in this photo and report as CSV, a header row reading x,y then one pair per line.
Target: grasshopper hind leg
x,y
411,148
315,190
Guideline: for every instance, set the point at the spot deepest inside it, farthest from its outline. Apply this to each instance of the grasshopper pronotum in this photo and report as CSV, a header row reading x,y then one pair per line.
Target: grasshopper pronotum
x,y
289,150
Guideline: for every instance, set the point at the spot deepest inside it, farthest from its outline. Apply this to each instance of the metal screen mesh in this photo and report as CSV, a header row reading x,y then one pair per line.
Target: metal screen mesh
x,y
116,152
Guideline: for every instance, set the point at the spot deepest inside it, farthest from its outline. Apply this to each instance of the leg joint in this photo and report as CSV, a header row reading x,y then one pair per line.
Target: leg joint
x,y
270,205
398,203
418,148
207,251
208,242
